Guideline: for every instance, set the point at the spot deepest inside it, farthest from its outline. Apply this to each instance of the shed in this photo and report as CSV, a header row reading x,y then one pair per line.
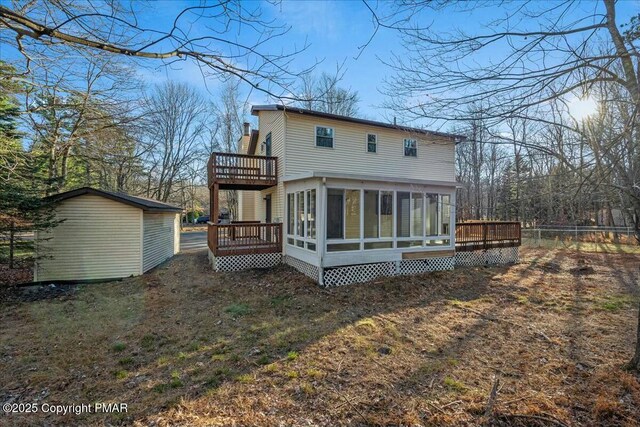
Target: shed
x,y
106,235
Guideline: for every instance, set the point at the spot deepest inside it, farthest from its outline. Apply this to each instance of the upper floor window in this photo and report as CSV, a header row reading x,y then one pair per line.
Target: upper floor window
x,y
324,137
372,143
410,147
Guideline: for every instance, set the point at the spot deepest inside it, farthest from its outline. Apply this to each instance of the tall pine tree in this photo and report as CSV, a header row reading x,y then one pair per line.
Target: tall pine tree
x,y
22,208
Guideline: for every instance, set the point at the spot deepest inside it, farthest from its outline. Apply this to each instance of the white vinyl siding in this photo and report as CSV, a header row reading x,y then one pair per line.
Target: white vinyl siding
x,y
246,206
435,161
99,239
158,238
272,122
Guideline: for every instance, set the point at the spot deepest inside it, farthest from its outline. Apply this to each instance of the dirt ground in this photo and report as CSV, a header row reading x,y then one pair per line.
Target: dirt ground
x,y
183,345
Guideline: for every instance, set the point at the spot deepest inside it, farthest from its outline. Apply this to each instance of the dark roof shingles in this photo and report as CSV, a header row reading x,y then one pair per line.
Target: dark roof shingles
x,y
140,202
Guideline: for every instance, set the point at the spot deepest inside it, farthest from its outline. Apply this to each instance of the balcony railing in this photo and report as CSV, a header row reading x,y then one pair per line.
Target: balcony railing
x,y
244,239
473,236
242,171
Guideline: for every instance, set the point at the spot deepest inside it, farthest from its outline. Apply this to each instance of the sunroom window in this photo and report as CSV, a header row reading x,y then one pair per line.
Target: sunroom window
x,y
403,226
291,205
311,215
352,214
301,219
446,214
366,219
300,213
335,214
431,224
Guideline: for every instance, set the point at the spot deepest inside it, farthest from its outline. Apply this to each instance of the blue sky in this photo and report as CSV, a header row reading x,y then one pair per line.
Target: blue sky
x,y
335,31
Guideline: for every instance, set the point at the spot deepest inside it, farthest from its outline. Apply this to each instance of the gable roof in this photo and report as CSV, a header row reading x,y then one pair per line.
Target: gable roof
x,y
143,203
279,107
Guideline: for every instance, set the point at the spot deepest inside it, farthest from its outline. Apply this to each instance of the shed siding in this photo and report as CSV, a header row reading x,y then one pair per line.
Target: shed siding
x,y
435,159
158,238
99,239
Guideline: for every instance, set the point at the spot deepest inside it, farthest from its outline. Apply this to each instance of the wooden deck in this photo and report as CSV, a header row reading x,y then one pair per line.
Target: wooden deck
x,y
229,171
244,239
473,236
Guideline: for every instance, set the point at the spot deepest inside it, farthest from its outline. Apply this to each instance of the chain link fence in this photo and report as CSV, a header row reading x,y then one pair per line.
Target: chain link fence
x,y
582,238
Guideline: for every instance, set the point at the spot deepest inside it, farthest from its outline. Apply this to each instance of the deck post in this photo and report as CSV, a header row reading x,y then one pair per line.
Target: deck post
x,y
215,206
485,228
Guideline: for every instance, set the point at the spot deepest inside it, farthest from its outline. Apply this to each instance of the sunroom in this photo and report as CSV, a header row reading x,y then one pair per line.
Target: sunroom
x,y
333,221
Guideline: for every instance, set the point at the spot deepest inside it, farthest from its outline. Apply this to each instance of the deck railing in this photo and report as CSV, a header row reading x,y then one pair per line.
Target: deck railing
x,y
242,168
243,239
473,236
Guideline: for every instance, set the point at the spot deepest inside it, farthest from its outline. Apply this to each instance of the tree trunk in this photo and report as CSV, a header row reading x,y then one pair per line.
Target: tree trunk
x,y
634,364
12,243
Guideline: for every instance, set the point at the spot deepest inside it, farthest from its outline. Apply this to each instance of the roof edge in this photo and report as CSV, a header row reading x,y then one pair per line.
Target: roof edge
x,y
374,178
114,196
279,107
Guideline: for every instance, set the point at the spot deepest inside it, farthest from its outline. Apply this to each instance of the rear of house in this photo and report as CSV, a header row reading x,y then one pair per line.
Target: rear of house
x,y
106,235
341,199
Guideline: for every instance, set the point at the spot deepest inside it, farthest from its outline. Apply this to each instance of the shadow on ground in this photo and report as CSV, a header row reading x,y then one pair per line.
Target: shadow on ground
x,y
185,345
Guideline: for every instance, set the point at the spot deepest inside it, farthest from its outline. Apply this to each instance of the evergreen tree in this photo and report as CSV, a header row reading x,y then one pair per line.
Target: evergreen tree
x,y
22,208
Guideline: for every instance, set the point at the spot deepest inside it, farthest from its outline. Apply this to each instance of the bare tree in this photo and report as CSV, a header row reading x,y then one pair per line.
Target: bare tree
x,y
204,33
175,122
229,113
323,94
528,64
446,74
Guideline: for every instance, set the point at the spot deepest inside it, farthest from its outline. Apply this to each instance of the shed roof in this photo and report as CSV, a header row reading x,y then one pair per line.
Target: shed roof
x,y
280,107
143,203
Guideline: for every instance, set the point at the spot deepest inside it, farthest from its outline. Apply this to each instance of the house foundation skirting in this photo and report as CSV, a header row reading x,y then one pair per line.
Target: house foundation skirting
x,y
244,262
489,256
350,274
303,267
339,276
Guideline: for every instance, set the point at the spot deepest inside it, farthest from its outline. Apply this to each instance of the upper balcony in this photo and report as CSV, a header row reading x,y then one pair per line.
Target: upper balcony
x,y
242,171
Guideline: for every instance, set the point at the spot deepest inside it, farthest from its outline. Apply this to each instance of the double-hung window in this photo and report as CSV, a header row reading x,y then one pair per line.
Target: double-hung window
x,y
372,143
324,137
410,147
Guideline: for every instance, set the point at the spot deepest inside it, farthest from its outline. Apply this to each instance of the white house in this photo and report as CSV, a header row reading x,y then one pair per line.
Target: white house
x,y
106,235
339,198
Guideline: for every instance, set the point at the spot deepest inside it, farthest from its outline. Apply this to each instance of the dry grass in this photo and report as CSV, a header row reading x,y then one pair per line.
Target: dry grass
x,y
193,227
186,346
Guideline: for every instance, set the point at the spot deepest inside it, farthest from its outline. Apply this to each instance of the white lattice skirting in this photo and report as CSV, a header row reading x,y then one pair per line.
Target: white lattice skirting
x,y
303,267
417,266
244,262
347,275
489,256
